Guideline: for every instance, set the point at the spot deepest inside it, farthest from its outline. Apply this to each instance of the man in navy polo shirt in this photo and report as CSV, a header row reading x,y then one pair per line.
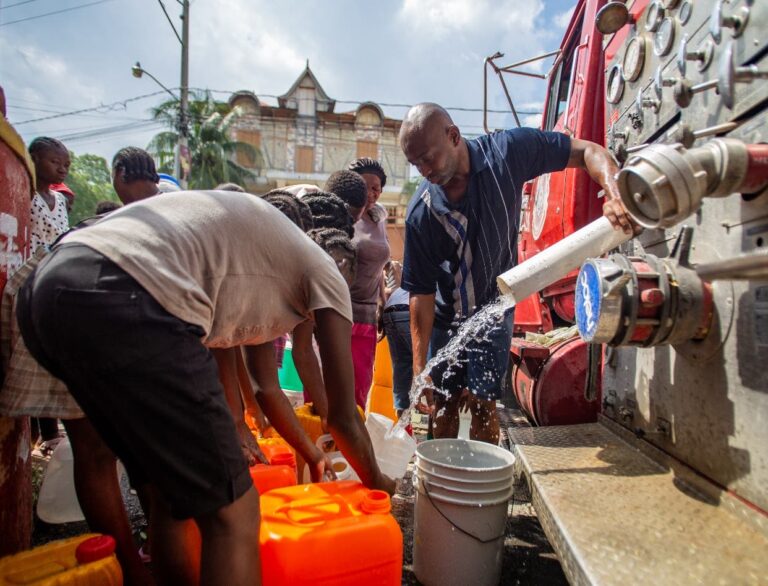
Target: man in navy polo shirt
x,y
461,233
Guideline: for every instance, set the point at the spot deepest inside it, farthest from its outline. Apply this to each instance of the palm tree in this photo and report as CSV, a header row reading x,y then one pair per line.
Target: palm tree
x,y
214,155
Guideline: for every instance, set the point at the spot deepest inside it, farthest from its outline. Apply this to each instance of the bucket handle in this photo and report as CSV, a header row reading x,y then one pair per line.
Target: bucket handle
x,y
424,484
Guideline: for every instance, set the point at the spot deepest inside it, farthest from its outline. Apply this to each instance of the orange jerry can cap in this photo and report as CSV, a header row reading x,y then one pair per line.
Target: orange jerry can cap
x,y
95,548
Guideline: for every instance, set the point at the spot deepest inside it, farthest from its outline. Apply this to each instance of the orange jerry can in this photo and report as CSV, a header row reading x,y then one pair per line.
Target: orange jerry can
x,y
380,398
278,452
86,560
329,533
268,476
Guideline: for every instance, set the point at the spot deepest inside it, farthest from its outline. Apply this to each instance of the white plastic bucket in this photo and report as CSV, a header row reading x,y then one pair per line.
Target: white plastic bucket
x,y
393,451
462,489
57,501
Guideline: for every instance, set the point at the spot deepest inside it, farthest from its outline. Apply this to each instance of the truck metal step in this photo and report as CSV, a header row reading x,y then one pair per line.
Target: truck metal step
x,y
619,512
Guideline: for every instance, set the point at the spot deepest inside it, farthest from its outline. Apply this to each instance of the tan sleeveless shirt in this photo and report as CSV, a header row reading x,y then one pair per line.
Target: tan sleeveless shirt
x,y
226,261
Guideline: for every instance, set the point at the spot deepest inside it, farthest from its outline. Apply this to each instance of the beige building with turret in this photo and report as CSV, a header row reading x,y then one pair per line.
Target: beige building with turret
x,y
303,140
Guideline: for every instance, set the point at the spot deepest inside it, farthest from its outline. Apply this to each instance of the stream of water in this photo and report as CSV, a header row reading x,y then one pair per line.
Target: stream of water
x,y
473,331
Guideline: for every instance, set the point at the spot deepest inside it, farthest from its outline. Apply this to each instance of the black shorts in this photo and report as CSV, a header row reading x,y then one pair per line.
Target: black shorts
x,y
142,376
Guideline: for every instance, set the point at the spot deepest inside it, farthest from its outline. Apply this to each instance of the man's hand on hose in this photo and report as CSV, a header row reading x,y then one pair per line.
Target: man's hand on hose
x,y
614,210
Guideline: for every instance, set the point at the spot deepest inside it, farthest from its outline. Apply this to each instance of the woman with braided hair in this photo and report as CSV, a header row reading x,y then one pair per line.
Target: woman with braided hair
x,y
337,244
48,220
341,249
134,175
329,211
368,289
295,209
49,217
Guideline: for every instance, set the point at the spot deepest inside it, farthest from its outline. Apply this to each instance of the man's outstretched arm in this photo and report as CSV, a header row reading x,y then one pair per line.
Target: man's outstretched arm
x,y
602,168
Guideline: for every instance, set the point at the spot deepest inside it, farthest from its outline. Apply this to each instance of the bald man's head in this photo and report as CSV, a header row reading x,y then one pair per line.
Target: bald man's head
x,y
421,116
431,142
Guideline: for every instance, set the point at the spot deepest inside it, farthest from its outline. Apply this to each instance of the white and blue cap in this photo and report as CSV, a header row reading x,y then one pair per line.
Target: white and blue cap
x,y
168,183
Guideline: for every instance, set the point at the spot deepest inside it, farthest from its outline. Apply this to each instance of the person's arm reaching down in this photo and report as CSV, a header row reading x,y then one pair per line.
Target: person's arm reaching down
x,y
260,361
333,334
308,369
422,309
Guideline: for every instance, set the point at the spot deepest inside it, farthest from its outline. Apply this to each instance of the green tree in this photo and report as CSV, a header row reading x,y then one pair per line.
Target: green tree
x,y
89,177
214,155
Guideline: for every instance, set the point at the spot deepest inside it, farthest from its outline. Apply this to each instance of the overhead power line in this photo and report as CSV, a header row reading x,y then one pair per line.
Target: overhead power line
x,y
102,107
17,4
385,104
78,7
170,21
133,126
122,104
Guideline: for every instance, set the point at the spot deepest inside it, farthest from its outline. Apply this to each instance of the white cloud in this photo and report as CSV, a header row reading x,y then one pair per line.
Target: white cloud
x,y
39,76
256,49
438,18
532,120
564,18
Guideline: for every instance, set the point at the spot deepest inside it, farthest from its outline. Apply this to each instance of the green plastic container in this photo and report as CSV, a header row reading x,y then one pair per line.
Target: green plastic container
x,y
289,378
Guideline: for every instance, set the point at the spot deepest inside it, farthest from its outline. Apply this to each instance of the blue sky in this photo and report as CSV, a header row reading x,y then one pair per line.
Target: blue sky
x,y
390,52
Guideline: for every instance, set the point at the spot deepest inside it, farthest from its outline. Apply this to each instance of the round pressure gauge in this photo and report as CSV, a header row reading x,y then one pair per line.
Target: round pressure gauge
x,y
686,9
634,58
615,86
653,16
665,37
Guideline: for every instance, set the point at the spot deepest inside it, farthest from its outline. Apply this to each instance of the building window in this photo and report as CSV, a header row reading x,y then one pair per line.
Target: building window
x,y
305,159
251,137
306,99
367,148
368,116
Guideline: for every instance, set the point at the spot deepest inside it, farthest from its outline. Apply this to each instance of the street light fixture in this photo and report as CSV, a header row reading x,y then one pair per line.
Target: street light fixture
x,y
138,71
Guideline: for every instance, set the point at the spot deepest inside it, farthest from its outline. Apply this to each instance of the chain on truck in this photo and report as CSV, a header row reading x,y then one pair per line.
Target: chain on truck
x,y
648,456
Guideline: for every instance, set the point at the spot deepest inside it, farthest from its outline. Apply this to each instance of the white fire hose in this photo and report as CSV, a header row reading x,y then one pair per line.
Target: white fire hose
x,y
561,258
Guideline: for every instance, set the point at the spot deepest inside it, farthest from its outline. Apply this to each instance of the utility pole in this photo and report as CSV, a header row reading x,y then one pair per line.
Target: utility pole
x,y
183,159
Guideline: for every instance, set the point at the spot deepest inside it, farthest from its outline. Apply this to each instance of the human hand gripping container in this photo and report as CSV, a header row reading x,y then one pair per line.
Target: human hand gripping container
x,y
313,427
86,560
330,533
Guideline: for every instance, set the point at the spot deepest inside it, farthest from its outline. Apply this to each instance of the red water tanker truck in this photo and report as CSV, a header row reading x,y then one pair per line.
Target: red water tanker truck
x,y
648,455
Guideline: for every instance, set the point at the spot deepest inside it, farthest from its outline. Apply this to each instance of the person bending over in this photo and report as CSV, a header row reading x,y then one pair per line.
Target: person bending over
x,y
123,312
